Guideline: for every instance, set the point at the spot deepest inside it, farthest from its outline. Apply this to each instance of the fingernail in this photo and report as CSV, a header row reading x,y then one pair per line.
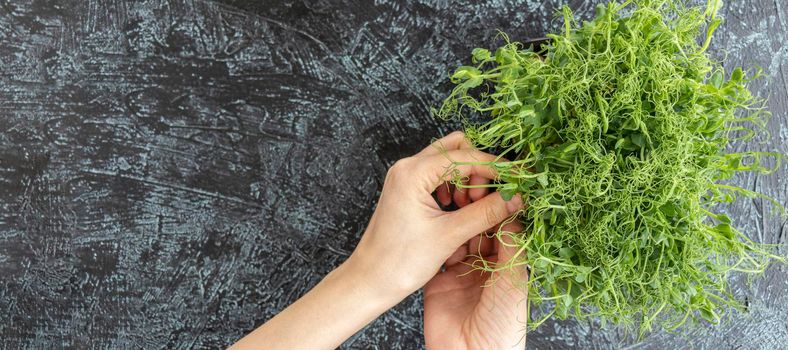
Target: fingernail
x,y
514,204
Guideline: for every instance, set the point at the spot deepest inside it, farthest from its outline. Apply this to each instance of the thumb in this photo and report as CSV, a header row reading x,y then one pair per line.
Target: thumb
x,y
482,215
507,248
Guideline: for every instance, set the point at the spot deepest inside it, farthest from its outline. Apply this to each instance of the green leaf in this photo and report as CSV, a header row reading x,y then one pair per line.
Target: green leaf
x,y
540,265
473,82
638,140
620,144
709,315
566,252
738,75
567,300
526,111
716,79
513,103
542,178
725,230
480,55
507,194
569,148
669,209
503,56
465,73
508,191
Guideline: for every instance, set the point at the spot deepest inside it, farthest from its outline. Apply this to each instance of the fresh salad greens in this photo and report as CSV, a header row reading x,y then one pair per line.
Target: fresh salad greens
x,y
616,135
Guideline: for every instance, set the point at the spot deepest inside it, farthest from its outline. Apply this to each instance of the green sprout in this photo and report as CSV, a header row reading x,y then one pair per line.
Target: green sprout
x,y
616,130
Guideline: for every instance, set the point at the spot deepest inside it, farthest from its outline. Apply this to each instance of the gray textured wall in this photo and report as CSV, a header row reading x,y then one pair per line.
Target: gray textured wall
x,y
173,172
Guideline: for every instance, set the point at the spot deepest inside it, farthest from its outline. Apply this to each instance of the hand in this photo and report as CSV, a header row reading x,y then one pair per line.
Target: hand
x,y
409,237
467,309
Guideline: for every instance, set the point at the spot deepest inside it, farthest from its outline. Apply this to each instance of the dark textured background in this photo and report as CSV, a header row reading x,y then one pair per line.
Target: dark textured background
x,y
173,173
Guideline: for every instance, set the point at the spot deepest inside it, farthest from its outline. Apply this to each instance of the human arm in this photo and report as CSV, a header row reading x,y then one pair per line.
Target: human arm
x,y
404,246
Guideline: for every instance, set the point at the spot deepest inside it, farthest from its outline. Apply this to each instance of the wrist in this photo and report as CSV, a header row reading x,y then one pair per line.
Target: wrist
x,y
340,305
362,279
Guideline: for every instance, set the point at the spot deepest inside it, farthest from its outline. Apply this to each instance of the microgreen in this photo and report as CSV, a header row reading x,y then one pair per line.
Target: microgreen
x,y
616,132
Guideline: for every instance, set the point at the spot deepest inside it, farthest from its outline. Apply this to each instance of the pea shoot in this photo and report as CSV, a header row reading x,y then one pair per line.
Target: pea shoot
x,y
616,131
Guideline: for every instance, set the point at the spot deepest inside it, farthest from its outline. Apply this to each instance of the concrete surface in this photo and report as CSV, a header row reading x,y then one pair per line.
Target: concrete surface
x,y
173,172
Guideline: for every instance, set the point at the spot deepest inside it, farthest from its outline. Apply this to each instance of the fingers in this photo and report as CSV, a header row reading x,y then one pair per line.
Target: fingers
x,y
486,245
434,170
474,245
506,247
509,291
479,216
511,280
447,192
477,193
444,193
479,245
457,256
461,197
453,141
483,244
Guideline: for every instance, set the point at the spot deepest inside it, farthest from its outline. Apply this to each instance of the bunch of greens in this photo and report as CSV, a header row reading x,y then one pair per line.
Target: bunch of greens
x,y
616,131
